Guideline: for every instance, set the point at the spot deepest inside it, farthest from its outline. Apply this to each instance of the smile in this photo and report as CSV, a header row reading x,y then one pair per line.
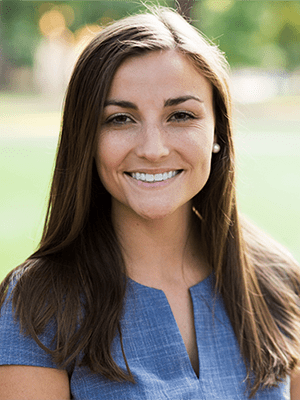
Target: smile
x,y
141,176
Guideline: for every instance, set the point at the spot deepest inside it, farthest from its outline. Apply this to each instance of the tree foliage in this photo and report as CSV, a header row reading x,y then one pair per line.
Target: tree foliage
x,y
252,33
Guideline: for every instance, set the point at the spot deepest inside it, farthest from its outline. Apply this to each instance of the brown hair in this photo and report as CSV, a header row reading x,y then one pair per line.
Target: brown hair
x,y
77,274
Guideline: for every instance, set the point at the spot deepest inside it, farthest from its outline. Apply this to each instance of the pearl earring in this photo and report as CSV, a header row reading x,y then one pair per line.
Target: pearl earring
x,y
216,148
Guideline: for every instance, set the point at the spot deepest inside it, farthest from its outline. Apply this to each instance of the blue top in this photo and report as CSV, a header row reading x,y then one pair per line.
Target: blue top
x,y
155,352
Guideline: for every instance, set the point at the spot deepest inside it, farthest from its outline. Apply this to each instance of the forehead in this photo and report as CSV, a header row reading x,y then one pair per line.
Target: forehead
x,y
159,73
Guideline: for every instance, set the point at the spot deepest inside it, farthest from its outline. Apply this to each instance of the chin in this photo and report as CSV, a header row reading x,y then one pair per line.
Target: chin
x,y
154,217
155,214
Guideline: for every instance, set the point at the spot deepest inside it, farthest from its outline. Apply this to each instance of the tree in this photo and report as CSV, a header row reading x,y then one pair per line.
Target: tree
x,y
262,34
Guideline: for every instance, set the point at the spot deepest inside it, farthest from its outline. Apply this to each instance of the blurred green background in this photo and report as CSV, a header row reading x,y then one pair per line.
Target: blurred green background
x,y
39,43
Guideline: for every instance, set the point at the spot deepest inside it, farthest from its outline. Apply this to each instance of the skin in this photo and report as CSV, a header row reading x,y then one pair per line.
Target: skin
x,y
295,386
153,222
159,118
34,383
154,137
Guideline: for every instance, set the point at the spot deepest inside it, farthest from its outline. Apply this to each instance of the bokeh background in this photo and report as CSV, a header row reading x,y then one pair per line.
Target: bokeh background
x,y
39,43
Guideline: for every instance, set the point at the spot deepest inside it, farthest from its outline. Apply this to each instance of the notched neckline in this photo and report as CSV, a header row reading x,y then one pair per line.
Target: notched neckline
x,y
206,283
205,287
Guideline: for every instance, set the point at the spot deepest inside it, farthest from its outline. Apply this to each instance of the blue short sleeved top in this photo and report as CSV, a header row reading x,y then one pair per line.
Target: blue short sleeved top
x,y
155,352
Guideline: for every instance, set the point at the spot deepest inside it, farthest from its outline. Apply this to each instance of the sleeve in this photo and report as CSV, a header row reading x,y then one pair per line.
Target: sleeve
x,y
17,348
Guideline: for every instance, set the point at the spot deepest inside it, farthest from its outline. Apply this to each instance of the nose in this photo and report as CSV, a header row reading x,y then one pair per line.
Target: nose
x,y
153,144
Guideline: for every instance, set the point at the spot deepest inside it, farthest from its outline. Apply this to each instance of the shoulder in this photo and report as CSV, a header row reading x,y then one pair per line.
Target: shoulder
x,y
17,347
16,283
39,307
7,289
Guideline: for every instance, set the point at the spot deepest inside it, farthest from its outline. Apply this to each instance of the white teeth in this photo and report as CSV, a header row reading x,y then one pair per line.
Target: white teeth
x,y
149,177
153,178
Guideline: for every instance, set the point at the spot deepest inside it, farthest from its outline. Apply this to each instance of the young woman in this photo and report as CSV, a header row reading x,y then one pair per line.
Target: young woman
x,y
147,284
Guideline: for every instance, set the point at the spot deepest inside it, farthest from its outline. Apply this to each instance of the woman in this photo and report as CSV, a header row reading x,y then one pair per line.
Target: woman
x,y
146,285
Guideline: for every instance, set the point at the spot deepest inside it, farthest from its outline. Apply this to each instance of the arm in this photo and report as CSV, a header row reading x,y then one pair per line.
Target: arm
x,y
26,370
34,383
295,386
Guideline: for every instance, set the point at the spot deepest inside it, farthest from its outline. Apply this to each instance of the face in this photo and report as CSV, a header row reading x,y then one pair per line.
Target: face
x,y
155,141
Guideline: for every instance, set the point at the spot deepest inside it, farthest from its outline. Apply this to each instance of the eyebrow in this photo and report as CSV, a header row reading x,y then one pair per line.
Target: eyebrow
x,y
181,99
120,103
168,103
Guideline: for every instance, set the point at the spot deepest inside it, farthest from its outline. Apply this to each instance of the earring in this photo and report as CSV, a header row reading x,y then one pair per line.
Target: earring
x,y
197,213
216,148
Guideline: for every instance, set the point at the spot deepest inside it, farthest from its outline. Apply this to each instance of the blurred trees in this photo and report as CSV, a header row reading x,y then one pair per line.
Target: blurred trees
x,y
20,21
252,33
264,34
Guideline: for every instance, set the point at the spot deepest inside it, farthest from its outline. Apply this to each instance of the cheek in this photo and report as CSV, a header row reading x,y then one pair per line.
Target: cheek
x,y
200,156
199,148
109,155
105,163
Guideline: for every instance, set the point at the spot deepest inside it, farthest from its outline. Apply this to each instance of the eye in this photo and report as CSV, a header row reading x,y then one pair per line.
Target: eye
x,y
182,116
119,119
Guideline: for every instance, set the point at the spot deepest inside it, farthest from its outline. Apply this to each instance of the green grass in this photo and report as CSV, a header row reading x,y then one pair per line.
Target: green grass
x,y
25,171
268,177
269,193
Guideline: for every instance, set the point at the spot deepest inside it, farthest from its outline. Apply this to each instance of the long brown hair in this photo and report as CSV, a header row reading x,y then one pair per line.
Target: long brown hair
x,y
77,274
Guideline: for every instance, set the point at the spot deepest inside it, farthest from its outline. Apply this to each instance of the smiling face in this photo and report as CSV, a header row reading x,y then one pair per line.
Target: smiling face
x,y
155,142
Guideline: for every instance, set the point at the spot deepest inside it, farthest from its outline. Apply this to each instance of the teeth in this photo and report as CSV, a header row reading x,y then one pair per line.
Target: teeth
x,y
149,178
153,178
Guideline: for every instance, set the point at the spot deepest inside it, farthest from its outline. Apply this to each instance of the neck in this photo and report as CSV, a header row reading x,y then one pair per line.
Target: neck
x,y
161,250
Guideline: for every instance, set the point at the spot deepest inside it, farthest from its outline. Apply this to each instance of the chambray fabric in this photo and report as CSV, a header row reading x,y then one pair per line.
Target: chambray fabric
x,y
155,352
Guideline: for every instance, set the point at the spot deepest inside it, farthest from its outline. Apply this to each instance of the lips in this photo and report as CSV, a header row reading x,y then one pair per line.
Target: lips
x,y
146,177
